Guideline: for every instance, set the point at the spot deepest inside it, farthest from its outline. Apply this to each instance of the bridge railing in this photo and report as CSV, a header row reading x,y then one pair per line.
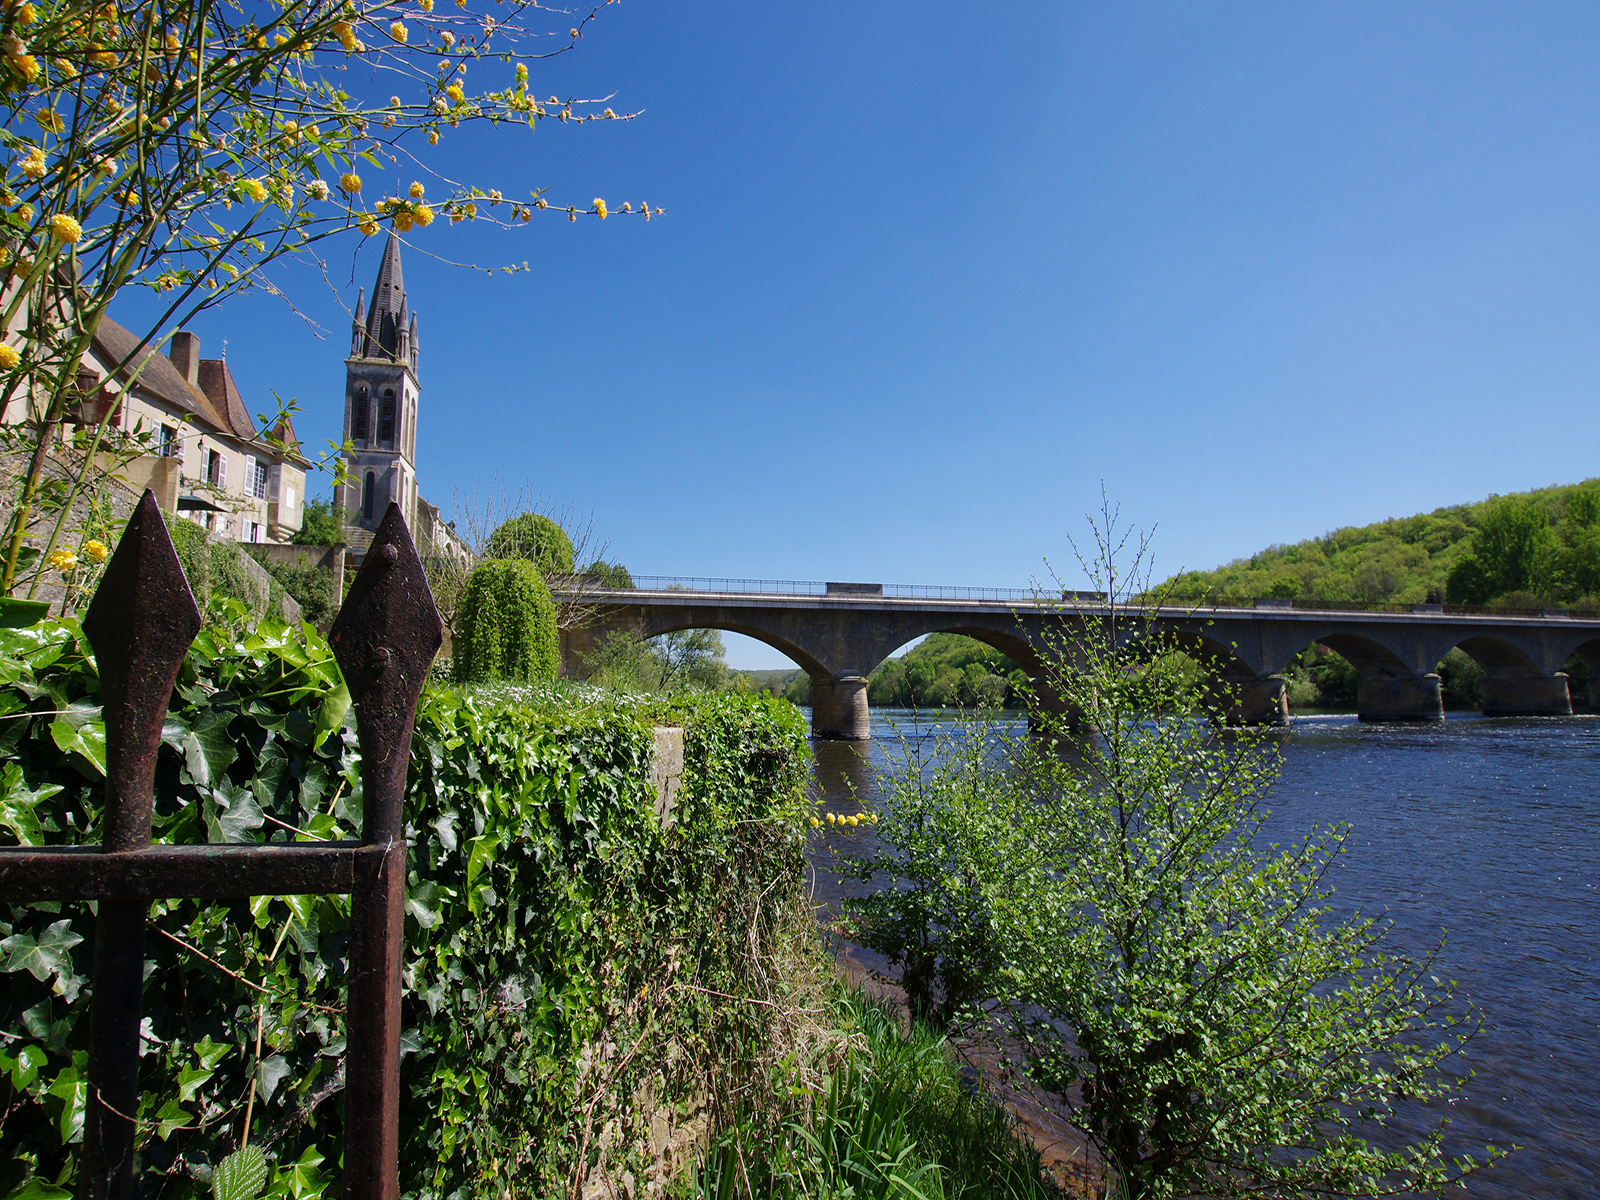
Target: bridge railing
x,y
1026,596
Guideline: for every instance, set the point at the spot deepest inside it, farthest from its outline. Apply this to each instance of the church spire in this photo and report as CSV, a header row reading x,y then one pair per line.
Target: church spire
x,y
386,314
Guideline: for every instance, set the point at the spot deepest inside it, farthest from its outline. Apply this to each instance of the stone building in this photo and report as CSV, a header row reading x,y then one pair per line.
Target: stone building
x,y
209,462
380,418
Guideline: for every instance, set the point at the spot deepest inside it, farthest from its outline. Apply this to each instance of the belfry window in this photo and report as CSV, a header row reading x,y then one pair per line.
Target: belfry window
x,y
368,495
358,416
386,416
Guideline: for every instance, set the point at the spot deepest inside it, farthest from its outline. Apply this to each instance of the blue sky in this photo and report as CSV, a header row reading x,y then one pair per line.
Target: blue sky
x,y
933,272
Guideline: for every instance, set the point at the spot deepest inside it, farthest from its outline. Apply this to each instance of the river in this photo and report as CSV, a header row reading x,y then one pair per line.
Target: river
x,y
1489,829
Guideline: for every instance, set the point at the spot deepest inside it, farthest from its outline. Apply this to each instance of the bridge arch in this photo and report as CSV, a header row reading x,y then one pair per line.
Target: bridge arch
x,y
703,619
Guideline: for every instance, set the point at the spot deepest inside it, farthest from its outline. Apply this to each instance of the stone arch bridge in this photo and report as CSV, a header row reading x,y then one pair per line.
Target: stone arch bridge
x,y
839,632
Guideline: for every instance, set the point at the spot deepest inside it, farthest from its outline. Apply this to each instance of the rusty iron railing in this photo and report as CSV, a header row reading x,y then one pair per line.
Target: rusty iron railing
x,y
140,623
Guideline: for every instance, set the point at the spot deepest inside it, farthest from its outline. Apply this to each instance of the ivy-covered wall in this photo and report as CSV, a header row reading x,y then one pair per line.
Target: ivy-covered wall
x,y
582,979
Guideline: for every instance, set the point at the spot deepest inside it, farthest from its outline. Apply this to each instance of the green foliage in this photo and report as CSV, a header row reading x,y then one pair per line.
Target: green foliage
x,y
686,660
1186,991
218,568
319,525
565,949
505,627
240,1176
894,1120
536,538
608,575
310,586
1543,542
929,916
945,670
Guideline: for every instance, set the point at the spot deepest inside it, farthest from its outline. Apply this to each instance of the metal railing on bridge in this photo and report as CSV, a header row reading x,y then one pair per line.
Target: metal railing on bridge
x,y
711,585
806,587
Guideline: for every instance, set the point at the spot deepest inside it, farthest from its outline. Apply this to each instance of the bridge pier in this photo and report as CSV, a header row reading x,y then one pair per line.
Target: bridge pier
x,y
1259,701
1528,696
839,708
1382,698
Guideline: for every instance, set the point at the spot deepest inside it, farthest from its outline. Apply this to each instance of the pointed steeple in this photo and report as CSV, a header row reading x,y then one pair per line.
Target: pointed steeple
x,y
413,340
358,332
384,317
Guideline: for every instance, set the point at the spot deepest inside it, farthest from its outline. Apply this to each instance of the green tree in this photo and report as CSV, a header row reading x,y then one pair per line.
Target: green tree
x,y
1186,990
608,575
311,587
319,525
686,660
506,626
1510,535
535,537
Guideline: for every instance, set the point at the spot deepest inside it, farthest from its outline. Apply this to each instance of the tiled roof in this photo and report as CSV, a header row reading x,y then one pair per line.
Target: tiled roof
x,y
159,378
216,381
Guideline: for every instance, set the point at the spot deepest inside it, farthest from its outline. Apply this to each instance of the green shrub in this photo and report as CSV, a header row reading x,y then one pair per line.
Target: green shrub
x,y
608,575
566,953
536,538
219,568
319,525
505,627
310,586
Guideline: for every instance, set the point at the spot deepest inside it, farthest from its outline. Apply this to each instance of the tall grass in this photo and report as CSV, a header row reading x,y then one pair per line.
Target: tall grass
x,y
895,1122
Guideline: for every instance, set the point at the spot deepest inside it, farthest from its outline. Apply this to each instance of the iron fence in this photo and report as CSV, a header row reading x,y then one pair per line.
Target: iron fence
x,y
140,623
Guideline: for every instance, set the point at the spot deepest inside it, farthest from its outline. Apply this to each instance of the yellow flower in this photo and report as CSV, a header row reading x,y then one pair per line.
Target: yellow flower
x,y
96,549
49,119
433,137
103,58
627,206
346,35
600,208
609,115
416,191
280,39
816,824
455,93
25,211
832,819
32,163
350,182
448,39
470,209
425,5
397,31
253,189
67,70
9,358
423,215
105,166
64,229
63,560
522,73
368,226
26,14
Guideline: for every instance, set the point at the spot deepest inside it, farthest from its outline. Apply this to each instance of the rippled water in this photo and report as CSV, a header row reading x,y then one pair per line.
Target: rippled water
x,y
1487,829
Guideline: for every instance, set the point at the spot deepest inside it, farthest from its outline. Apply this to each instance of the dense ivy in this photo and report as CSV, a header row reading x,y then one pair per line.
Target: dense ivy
x,y
506,625
536,538
565,946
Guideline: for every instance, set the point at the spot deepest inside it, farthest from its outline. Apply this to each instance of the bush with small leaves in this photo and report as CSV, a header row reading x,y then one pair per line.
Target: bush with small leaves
x,y
506,625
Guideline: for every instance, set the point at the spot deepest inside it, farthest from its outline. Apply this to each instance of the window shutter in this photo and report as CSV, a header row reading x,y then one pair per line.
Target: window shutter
x,y
222,470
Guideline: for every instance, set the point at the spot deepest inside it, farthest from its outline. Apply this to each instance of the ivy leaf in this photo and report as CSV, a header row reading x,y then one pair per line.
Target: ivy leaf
x,y
79,728
17,802
240,1176
232,813
73,1092
169,1119
270,1074
330,713
38,1189
26,1067
208,751
45,957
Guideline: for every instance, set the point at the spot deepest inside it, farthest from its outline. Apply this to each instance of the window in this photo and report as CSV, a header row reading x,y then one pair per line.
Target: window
x,y
386,416
367,496
216,469
288,497
256,473
358,416
167,447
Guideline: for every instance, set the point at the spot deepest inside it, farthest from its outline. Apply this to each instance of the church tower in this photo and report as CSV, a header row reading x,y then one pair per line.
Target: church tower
x,y
380,407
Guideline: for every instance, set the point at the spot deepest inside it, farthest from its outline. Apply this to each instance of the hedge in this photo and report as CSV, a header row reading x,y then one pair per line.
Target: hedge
x,y
575,969
506,625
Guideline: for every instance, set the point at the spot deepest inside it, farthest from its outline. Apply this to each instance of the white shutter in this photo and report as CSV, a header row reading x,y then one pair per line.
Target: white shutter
x,y
222,470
